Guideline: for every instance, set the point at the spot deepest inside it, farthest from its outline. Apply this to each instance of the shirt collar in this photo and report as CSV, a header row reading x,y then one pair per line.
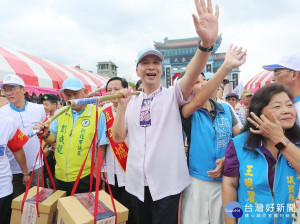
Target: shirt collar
x,y
74,112
152,95
17,109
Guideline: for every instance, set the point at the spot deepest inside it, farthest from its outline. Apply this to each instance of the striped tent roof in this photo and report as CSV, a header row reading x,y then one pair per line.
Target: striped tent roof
x,y
43,74
259,80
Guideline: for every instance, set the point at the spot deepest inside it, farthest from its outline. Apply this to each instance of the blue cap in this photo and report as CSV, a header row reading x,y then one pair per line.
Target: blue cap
x,y
148,51
74,84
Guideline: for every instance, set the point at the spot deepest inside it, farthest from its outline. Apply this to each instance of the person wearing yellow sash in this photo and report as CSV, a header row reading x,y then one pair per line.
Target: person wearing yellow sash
x,y
73,132
116,153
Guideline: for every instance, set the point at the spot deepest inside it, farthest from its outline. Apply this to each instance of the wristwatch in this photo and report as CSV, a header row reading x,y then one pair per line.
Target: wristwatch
x,y
282,145
205,49
26,174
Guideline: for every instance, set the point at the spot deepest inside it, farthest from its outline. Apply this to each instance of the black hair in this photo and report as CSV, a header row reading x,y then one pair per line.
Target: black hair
x,y
258,102
138,83
123,81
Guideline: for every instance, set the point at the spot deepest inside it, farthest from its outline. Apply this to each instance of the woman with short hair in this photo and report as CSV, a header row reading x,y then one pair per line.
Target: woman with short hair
x,y
262,165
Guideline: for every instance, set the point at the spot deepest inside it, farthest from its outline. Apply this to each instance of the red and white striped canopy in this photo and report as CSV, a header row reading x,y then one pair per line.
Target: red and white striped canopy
x,y
259,80
43,74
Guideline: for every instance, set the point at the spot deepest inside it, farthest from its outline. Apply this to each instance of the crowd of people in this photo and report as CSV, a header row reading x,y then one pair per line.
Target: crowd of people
x,y
242,162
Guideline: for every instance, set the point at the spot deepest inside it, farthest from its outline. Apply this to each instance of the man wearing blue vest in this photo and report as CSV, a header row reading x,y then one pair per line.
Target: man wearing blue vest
x,y
209,127
73,132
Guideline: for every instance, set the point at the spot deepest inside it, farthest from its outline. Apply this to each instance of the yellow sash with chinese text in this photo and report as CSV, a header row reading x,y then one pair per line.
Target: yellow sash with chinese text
x,y
120,150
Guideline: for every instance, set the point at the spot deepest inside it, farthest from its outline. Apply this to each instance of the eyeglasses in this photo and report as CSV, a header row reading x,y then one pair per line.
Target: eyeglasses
x,y
12,89
276,73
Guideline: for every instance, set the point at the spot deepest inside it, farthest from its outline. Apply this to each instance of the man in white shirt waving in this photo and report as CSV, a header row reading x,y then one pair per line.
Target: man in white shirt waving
x,y
156,170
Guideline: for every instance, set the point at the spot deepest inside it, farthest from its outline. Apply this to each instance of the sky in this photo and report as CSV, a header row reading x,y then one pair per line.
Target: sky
x,y
74,32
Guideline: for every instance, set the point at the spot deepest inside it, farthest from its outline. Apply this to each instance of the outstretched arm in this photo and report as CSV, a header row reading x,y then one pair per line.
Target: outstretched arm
x,y
206,25
234,58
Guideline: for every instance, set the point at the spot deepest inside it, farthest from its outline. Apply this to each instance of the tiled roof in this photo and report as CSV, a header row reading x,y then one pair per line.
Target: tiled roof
x,y
180,43
176,45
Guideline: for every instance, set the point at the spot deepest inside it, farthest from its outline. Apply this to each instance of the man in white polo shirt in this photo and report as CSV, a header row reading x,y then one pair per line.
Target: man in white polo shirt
x,y
25,115
156,170
287,72
116,154
15,139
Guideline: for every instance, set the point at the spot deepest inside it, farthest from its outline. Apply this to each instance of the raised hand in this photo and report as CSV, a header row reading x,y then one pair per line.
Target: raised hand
x,y
206,23
235,57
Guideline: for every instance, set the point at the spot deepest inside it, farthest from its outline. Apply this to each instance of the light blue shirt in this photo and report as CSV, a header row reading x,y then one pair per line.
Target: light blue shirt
x,y
296,99
101,126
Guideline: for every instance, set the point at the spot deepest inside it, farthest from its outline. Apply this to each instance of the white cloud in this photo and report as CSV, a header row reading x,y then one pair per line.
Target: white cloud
x,y
85,32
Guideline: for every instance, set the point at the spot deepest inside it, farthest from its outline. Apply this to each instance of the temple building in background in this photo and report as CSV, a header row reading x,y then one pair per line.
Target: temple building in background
x,y
107,68
178,53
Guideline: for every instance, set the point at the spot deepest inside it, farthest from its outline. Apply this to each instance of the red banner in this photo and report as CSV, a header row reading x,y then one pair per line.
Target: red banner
x,y
120,149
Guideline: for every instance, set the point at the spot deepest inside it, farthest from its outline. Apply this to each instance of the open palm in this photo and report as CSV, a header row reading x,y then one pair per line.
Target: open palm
x,y
206,23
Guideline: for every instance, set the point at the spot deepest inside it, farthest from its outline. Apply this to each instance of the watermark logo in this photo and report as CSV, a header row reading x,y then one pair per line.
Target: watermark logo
x,y
233,209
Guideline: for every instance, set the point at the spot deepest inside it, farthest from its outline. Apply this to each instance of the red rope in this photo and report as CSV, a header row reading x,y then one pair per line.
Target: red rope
x,y
28,185
79,173
98,173
99,161
41,156
48,170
